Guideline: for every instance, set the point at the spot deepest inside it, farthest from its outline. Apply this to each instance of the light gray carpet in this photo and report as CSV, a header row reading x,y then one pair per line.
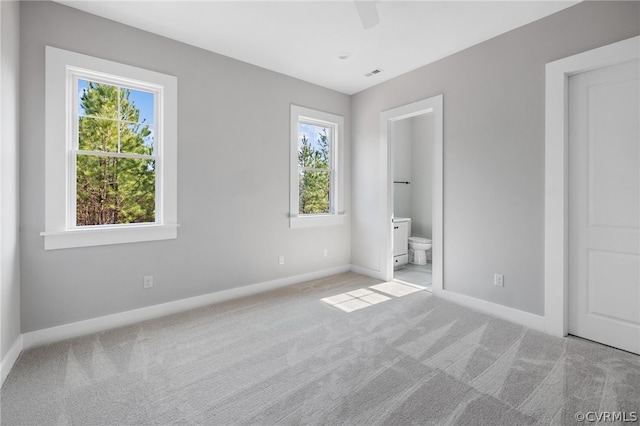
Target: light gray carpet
x,y
285,357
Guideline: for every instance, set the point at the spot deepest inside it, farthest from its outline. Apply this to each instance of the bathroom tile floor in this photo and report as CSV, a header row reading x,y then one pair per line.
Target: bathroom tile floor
x,y
415,274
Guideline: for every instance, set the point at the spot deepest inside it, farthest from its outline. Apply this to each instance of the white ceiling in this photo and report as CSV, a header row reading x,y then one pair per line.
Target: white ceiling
x,y
303,38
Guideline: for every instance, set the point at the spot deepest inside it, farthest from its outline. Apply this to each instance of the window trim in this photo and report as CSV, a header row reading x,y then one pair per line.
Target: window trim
x,y
336,216
59,116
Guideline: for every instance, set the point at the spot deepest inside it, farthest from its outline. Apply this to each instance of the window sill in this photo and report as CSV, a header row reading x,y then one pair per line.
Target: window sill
x,y
312,221
108,235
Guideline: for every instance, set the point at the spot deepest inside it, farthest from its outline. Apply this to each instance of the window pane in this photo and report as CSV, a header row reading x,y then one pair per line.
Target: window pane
x,y
114,190
136,106
97,99
137,139
314,146
314,192
96,134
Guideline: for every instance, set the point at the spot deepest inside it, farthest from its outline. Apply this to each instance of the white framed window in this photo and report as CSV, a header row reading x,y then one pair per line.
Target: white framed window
x,y
316,197
110,152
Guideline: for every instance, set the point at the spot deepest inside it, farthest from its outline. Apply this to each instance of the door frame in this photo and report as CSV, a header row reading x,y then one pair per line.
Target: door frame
x,y
556,241
432,105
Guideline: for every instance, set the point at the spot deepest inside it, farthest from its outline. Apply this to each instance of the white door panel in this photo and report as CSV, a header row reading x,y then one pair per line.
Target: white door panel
x,y
604,205
604,290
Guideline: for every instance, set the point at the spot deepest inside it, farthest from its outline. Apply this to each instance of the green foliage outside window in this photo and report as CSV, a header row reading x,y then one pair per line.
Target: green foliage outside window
x,y
112,189
314,165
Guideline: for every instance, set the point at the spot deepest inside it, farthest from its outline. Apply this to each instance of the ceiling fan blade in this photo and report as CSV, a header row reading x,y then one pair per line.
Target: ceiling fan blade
x,y
368,13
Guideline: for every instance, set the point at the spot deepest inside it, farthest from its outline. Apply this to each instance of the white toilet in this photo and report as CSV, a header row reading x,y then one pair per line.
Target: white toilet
x,y
418,250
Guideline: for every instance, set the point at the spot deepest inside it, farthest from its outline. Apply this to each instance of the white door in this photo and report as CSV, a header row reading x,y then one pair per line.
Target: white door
x,y
604,205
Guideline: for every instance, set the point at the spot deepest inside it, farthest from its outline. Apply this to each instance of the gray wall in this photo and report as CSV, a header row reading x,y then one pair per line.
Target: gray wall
x,y
401,147
422,146
412,148
493,150
233,179
9,217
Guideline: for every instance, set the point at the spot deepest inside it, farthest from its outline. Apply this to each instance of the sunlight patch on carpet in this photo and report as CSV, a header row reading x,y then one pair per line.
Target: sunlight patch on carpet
x,y
397,289
356,299
365,297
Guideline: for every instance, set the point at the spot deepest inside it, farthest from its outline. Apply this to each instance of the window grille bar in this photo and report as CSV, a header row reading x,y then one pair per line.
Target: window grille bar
x,y
115,154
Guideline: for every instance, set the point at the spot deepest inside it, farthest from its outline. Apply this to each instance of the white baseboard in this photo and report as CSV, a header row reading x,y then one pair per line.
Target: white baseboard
x,y
367,272
517,316
94,325
10,358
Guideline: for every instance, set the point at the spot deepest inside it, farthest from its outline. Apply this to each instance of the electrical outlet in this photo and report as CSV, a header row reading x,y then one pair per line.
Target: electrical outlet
x,y
326,252
281,260
147,281
498,280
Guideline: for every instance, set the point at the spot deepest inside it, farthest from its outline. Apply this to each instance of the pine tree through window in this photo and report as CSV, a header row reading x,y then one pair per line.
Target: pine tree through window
x,y
315,168
115,155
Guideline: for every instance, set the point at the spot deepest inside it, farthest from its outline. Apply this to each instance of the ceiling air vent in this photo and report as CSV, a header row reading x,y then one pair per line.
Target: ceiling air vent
x,y
374,72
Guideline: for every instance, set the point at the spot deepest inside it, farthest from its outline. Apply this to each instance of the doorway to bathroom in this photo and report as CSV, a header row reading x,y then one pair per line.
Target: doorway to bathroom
x,y
411,138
